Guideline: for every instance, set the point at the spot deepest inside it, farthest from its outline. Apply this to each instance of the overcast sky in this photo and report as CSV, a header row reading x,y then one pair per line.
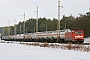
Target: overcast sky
x,y
14,9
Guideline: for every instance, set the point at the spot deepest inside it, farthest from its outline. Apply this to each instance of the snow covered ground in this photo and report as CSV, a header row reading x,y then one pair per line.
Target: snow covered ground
x,y
87,40
15,51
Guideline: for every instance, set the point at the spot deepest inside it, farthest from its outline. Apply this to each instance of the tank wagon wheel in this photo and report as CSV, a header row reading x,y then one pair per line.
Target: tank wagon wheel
x,y
51,40
70,42
28,40
47,40
43,40
39,40
33,40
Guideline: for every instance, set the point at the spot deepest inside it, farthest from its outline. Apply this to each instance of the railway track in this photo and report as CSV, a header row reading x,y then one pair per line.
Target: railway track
x,y
86,43
47,42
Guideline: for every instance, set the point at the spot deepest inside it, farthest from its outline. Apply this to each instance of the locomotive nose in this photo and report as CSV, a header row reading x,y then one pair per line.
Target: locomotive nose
x,y
78,37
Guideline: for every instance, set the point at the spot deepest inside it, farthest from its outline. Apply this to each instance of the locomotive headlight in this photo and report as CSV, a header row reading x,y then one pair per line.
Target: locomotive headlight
x,y
75,38
82,38
78,37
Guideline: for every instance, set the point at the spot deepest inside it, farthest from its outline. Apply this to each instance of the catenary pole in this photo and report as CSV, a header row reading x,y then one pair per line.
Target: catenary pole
x,y
15,29
37,24
24,24
20,29
9,29
58,34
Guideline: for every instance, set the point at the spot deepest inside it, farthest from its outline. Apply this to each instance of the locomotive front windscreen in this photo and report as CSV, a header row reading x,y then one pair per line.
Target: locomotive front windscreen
x,y
78,32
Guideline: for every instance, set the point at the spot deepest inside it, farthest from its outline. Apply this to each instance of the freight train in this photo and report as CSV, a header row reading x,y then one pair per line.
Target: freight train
x,y
49,36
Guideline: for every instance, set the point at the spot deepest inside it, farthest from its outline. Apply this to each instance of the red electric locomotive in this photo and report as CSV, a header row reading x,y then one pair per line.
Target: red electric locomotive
x,y
75,36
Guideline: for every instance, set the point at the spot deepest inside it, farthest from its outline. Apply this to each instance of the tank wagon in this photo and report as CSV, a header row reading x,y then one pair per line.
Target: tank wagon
x,y
48,36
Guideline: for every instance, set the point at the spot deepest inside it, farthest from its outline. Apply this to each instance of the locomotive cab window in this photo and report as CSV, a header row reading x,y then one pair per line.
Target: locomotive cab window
x,y
78,32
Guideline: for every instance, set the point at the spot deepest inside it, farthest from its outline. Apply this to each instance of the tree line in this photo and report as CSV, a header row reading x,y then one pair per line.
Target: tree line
x,y
67,22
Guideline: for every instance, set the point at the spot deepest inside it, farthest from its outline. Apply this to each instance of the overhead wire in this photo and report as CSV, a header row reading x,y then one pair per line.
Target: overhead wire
x,y
49,13
78,4
67,7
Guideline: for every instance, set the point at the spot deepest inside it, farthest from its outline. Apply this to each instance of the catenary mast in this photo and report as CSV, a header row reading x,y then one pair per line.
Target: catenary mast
x,y
58,28
37,24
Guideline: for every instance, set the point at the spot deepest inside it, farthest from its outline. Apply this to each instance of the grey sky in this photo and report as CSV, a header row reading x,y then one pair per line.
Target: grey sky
x,y
14,9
